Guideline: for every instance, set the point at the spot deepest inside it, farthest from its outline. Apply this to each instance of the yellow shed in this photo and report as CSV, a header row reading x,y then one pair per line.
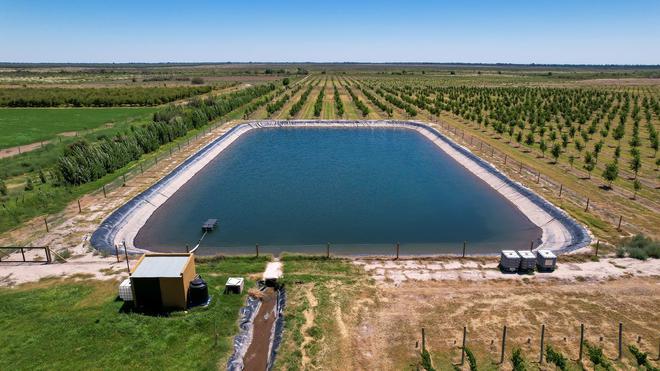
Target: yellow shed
x,y
161,281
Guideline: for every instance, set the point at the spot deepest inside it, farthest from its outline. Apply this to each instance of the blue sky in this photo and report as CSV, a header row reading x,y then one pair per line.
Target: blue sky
x,y
576,32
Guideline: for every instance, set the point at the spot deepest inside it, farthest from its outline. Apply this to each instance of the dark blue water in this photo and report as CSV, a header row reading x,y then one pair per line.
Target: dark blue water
x,y
363,190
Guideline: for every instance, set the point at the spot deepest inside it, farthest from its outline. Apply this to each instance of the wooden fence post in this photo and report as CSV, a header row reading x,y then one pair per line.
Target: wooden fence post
x,y
79,208
587,207
581,341
23,253
117,253
618,228
463,347
327,250
124,178
46,222
105,195
141,169
423,340
503,344
538,177
505,157
128,265
561,188
531,245
520,171
397,251
542,341
597,245
464,245
256,247
620,340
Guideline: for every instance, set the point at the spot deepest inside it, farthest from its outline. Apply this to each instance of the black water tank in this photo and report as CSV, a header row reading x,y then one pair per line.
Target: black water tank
x,y
198,292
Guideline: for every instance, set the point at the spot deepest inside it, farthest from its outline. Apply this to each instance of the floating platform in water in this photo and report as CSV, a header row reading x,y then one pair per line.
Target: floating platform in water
x,y
209,225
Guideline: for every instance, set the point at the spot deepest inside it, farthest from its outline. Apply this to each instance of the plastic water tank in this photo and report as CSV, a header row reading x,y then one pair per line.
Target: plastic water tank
x,y
198,292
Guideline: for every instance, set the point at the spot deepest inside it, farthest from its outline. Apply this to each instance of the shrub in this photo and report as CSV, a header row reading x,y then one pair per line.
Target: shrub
x,y
3,188
472,360
556,358
29,185
640,356
621,252
517,360
426,360
641,247
197,81
597,357
637,253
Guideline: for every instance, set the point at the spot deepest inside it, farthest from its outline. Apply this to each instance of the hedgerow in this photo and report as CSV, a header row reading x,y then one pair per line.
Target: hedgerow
x,y
83,162
96,97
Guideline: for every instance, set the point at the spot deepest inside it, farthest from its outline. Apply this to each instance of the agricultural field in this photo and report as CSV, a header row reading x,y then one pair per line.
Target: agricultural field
x,y
586,140
30,125
64,155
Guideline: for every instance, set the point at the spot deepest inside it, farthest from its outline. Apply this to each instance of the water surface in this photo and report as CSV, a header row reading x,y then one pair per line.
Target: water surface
x,y
363,190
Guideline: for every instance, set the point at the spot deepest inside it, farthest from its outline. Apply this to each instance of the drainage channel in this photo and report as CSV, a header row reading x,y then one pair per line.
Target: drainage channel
x,y
261,324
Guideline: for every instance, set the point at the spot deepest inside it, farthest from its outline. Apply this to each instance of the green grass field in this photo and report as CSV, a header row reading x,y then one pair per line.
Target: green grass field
x,y
29,125
79,325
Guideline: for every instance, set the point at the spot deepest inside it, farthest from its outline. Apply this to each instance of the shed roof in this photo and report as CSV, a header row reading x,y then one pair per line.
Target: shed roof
x,y
161,266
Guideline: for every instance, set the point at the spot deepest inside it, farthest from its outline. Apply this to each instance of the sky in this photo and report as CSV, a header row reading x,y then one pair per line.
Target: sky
x,y
554,32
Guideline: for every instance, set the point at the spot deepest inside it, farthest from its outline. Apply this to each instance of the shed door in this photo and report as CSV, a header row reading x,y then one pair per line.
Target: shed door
x,y
147,293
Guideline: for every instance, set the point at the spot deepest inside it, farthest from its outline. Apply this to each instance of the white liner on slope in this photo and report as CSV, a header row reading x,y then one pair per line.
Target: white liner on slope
x,y
559,231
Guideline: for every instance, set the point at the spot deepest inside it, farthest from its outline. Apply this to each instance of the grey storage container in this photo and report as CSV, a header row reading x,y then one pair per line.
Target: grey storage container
x,y
546,261
527,260
509,261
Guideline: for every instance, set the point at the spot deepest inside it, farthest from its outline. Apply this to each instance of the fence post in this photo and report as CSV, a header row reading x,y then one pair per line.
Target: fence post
x,y
423,340
128,265
23,253
464,244
124,178
531,245
520,171
46,222
49,258
618,228
79,208
397,251
105,195
256,247
561,188
581,341
463,347
503,344
117,253
141,169
187,249
620,339
587,207
538,177
505,157
597,244
542,341
327,250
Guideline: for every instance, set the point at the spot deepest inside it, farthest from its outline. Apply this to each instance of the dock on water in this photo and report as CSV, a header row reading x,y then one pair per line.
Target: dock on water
x,y
209,225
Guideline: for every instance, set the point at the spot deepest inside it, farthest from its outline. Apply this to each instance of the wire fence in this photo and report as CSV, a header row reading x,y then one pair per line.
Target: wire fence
x,y
497,343
550,186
